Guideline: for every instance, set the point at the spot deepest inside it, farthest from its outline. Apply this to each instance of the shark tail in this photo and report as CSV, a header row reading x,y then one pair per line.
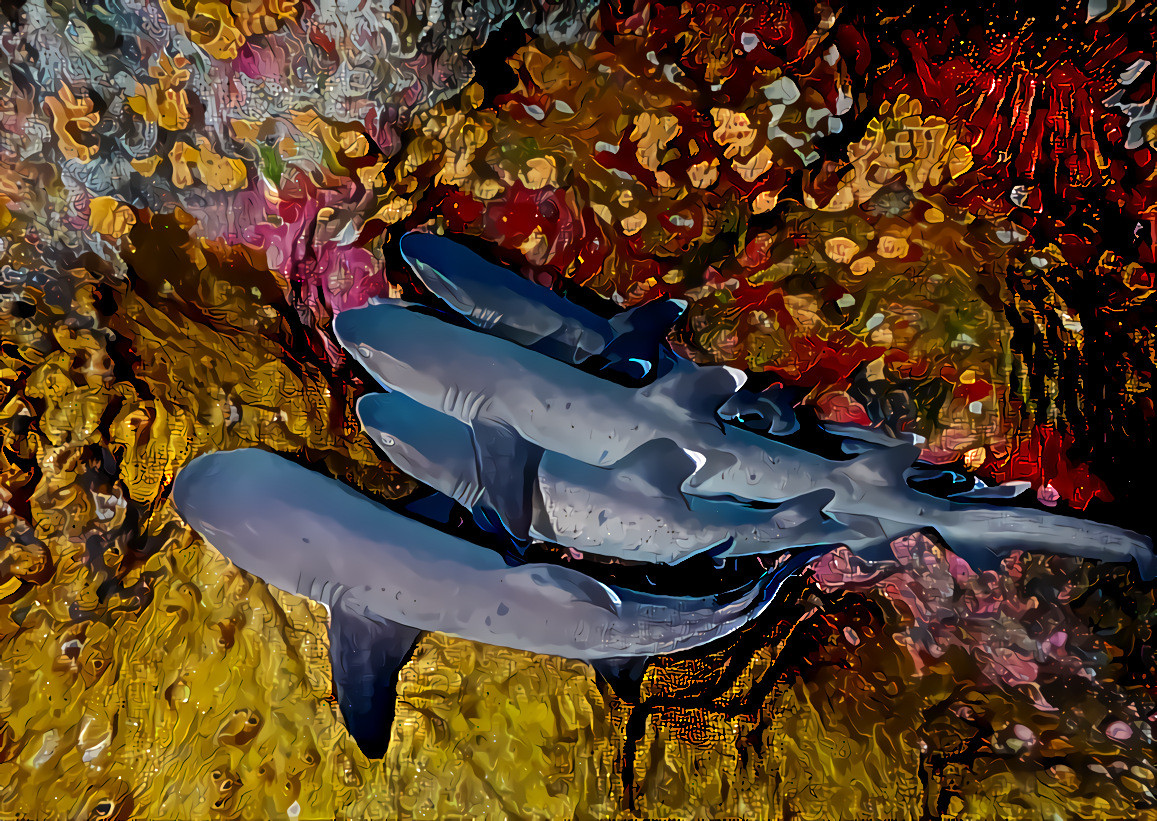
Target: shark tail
x,y
985,534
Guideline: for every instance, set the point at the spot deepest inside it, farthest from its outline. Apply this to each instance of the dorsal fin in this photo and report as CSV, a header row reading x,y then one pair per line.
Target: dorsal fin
x,y
660,463
708,464
654,318
639,334
881,468
808,507
698,390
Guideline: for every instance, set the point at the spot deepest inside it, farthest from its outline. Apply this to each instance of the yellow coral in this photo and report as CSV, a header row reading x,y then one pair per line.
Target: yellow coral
x,y
110,217
217,172
164,102
72,119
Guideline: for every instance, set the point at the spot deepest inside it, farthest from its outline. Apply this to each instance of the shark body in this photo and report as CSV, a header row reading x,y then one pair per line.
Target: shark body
x,y
635,510
499,417
499,301
384,578
508,395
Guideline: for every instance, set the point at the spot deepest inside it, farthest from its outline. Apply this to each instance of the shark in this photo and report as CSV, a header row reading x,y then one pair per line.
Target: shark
x,y
496,406
506,393
497,300
633,342
635,510
384,578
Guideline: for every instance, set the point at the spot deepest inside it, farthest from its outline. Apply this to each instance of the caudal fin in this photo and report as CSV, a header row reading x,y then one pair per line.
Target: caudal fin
x,y
987,533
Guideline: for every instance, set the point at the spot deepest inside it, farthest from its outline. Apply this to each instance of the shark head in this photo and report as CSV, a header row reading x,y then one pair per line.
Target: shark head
x,y
403,349
434,448
434,259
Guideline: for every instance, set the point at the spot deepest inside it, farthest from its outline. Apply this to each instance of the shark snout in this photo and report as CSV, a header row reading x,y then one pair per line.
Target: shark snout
x,y
187,493
436,260
349,327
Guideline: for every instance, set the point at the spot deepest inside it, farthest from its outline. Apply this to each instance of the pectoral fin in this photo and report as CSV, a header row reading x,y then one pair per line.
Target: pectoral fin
x,y
1008,490
507,466
861,439
794,565
434,506
624,675
367,654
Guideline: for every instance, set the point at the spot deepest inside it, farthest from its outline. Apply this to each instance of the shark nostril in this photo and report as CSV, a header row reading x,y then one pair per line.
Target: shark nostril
x,y
388,441
363,350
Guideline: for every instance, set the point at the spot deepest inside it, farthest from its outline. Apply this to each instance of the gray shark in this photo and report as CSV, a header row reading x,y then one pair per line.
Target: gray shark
x,y
635,510
499,301
506,393
383,578
486,380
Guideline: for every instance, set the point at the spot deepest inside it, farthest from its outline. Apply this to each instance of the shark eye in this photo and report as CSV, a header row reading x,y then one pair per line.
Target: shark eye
x,y
364,350
386,440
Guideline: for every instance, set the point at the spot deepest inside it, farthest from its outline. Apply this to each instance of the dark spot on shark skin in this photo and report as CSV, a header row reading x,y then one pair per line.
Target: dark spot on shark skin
x,y
305,540
503,609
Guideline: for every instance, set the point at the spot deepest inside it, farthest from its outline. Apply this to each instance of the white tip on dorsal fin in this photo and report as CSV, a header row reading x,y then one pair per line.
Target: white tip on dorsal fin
x,y
697,389
739,376
698,458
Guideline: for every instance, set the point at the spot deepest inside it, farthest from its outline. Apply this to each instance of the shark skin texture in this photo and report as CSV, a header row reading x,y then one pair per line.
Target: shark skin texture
x,y
384,578
634,511
507,394
500,302
496,300
303,531
513,404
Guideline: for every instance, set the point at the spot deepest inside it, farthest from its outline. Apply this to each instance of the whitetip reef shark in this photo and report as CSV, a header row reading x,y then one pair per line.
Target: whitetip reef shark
x,y
502,406
492,298
384,578
509,396
635,511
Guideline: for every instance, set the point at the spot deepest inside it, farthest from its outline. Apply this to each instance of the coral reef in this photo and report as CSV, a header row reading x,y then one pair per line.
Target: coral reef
x,y
936,219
